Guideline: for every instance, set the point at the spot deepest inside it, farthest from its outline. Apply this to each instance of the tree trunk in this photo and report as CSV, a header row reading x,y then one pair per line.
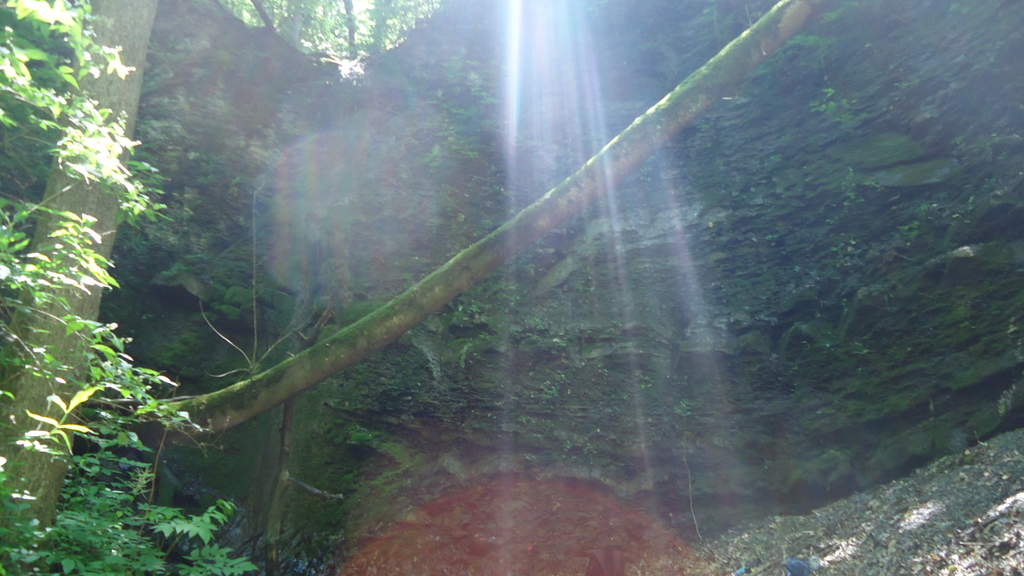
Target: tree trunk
x,y
261,11
350,27
124,23
381,15
718,78
275,513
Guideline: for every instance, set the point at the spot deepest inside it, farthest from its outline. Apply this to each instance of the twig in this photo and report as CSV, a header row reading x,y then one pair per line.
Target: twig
x,y
272,346
252,248
228,373
689,493
120,403
156,465
202,312
324,319
315,491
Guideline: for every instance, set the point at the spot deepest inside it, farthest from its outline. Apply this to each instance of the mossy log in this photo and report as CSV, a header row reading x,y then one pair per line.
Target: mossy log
x,y
718,78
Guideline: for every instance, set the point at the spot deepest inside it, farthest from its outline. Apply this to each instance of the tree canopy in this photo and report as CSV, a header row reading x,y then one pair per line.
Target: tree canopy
x,y
347,29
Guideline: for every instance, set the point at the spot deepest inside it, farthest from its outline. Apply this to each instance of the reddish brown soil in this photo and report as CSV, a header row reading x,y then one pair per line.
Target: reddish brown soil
x,y
514,525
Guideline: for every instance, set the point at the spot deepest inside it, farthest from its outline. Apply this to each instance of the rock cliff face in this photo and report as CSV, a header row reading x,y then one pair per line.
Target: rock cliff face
x,y
817,288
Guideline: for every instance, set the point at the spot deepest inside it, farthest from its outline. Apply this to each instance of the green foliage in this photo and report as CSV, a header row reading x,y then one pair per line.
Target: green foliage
x,y
322,26
106,526
835,108
106,523
814,49
45,53
13,535
214,560
32,277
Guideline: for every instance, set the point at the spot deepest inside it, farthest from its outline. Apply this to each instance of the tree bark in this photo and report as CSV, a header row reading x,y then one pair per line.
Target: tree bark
x,y
350,27
276,510
718,78
261,11
381,15
124,23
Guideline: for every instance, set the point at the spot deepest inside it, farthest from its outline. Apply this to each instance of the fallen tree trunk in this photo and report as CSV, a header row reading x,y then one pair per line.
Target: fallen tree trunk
x,y
718,78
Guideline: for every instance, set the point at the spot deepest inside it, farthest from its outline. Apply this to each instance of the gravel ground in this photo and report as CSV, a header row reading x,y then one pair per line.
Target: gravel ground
x,y
963,515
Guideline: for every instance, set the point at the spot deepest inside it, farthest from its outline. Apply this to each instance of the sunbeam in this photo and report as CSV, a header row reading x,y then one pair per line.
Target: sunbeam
x,y
555,117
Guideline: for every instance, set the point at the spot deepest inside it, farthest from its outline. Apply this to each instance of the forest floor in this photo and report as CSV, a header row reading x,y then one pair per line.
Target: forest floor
x,y
517,524
962,515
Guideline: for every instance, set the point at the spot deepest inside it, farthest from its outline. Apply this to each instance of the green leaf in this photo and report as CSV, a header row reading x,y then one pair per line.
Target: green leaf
x,y
106,350
56,400
77,428
29,53
43,419
74,324
68,74
63,436
82,396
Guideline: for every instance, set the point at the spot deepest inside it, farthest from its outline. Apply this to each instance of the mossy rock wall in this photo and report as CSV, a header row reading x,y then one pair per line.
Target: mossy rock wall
x,y
816,288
